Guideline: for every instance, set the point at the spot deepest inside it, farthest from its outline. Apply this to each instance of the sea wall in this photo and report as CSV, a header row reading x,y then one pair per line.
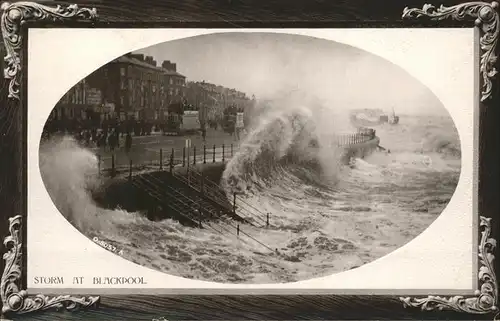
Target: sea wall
x,y
120,192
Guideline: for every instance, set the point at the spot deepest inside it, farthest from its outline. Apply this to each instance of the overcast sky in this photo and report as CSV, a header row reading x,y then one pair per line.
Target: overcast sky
x,y
266,64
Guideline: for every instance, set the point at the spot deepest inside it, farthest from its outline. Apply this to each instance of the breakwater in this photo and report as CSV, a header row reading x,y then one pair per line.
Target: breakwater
x,y
360,149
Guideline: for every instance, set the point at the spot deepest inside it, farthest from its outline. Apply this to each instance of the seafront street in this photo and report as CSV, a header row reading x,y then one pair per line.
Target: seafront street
x,y
146,149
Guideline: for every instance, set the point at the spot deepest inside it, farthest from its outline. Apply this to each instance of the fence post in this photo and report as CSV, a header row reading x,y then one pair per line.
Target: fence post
x,y
161,159
113,165
172,161
204,154
267,220
234,203
99,164
238,230
214,154
231,150
130,171
194,155
183,156
223,156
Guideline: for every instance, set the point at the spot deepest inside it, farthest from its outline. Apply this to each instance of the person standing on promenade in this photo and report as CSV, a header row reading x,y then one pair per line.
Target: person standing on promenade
x,y
204,133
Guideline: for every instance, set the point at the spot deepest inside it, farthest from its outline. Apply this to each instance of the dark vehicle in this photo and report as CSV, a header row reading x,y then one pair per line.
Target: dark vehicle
x,y
172,122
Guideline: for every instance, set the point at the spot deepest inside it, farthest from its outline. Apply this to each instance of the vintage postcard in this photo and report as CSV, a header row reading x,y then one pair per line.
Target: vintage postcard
x,y
179,168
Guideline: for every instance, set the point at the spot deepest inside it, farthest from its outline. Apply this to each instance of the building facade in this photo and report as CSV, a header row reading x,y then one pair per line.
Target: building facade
x,y
211,100
131,86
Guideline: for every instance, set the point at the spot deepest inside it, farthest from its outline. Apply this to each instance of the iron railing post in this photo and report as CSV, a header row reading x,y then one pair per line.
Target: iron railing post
x,y
161,159
172,161
113,165
99,164
234,203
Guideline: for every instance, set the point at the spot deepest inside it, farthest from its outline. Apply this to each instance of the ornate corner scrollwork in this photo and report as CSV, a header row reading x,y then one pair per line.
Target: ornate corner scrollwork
x,y
15,15
486,17
486,298
18,301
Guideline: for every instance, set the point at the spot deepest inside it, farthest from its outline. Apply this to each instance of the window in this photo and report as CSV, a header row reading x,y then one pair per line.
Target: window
x,y
122,71
64,99
171,81
122,84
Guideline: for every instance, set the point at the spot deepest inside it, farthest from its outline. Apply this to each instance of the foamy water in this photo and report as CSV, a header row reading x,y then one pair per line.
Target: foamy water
x,y
323,219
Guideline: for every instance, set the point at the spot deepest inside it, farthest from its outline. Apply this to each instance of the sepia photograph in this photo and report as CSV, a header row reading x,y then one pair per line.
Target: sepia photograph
x,y
238,160
250,158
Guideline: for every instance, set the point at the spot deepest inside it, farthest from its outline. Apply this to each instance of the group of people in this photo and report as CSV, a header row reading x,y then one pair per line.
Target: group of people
x,y
104,138
76,126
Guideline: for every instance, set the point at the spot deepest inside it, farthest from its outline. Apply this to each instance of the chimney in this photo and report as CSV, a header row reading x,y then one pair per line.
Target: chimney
x,y
138,57
149,60
168,65
174,67
154,63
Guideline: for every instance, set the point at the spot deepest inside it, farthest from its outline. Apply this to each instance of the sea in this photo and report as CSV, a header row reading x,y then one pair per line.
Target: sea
x,y
325,216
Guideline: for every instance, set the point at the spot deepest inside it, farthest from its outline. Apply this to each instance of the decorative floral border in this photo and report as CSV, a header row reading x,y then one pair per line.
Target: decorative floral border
x,y
485,300
15,15
18,301
487,18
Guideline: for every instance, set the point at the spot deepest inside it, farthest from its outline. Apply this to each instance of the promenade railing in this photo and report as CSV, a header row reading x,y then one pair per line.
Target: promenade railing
x,y
361,136
119,159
